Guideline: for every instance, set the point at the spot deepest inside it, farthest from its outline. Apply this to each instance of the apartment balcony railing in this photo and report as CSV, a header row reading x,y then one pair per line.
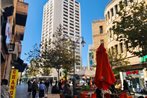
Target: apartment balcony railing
x,y
21,17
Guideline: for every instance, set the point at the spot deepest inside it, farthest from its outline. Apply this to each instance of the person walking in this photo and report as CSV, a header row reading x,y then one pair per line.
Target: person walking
x,y
47,85
60,85
66,90
34,89
41,89
51,81
55,89
4,89
29,87
125,85
98,93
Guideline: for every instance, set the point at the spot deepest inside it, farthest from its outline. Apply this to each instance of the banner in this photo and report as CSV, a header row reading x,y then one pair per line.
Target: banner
x,y
13,82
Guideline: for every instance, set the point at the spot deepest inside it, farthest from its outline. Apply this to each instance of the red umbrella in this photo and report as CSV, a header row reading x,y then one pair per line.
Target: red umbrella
x,y
104,76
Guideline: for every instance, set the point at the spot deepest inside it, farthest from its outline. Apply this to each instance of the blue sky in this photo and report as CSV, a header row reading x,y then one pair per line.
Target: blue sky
x,y
90,10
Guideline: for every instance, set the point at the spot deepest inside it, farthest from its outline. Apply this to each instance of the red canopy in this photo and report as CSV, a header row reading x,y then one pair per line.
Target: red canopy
x,y
104,76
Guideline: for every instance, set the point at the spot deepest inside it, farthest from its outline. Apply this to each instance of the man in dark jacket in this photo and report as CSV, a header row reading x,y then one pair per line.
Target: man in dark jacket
x,y
34,89
55,89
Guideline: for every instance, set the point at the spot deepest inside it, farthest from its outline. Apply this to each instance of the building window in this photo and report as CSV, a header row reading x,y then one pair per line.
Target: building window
x,y
65,21
77,20
110,33
121,47
76,2
65,12
131,0
112,12
108,15
116,48
126,2
101,41
112,49
65,6
116,9
101,29
65,9
126,45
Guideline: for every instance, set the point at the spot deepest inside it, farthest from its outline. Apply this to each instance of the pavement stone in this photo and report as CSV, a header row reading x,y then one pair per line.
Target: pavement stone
x,y
21,92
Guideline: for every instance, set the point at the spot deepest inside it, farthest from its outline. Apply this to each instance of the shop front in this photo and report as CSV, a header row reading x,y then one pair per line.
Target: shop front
x,y
136,77
135,80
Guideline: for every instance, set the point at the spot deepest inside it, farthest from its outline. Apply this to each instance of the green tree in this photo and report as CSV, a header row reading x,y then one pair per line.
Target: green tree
x,y
33,68
59,56
46,71
117,60
131,27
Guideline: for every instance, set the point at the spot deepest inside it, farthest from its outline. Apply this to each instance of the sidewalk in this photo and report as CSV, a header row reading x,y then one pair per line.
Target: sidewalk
x,y
21,91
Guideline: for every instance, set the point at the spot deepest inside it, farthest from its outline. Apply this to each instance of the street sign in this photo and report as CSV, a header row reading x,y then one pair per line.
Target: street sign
x,y
13,82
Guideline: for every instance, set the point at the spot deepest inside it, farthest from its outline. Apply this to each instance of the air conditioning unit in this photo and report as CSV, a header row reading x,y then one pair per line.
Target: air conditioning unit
x,y
13,48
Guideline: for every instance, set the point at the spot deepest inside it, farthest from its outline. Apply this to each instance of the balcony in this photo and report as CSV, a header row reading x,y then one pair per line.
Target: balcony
x,y
21,13
21,17
22,8
19,31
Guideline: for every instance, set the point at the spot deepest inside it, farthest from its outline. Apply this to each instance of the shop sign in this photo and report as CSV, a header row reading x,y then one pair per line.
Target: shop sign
x,y
13,82
132,72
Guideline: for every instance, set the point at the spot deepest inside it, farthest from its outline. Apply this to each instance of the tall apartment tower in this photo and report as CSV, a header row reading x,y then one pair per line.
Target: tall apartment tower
x,y
66,13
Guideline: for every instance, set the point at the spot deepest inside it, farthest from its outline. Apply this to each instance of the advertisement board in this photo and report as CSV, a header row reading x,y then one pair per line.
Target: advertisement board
x,y
13,82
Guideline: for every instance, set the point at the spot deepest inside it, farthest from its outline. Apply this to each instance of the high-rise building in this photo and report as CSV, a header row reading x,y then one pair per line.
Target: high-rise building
x,y
67,14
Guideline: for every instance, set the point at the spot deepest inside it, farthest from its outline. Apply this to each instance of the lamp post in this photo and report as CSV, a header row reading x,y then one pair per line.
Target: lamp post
x,y
74,44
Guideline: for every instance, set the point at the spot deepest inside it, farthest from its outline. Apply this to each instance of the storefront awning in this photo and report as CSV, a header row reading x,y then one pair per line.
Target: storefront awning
x,y
132,67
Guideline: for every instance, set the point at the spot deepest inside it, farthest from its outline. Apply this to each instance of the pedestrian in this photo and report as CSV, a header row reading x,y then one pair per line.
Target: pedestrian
x,y
67,90
34,89
41,89
47,85
4,89
29,87
51,81
55,89
60,85
98,93
125,86
20,81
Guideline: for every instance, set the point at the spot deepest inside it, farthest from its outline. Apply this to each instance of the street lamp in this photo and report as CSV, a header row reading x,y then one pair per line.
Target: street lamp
x,y
74,44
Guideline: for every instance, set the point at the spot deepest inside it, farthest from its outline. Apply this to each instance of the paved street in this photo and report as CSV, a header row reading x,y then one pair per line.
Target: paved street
x,y
21,91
